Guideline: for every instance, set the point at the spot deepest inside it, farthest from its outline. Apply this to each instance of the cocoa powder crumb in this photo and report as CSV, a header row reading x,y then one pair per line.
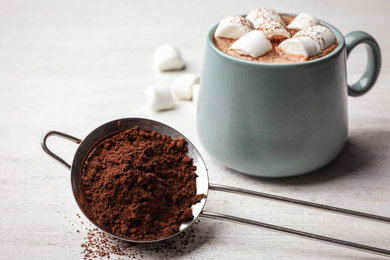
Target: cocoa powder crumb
x,y
140,185
99,245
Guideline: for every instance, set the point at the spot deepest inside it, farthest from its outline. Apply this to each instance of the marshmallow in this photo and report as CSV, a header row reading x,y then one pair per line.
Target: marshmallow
x,y
195,93
301,47
182,86
274,30
320,33
159,98
167,57
262,15
254,44
303,21
233,27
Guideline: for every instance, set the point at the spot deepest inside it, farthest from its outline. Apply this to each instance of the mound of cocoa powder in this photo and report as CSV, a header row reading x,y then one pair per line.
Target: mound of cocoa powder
x,y
140,185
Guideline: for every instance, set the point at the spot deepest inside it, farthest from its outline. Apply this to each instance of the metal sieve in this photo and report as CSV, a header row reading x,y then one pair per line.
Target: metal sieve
x,y
202,182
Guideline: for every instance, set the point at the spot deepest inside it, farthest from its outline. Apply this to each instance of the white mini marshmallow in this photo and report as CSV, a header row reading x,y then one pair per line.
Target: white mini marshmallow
x,y
301,47
254,44
159,98
167,57
272,29
233,27
195,94
320,33
262,15
183,84
303,21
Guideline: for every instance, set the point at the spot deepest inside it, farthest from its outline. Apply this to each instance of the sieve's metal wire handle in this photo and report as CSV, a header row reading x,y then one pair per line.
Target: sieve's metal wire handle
x,y
53,155
369,249
299,202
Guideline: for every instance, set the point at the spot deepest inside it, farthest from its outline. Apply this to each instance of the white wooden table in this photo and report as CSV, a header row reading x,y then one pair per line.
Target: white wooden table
x,y
74,65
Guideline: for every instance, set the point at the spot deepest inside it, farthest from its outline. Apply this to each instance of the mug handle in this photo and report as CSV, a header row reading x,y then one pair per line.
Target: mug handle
x,y
373,66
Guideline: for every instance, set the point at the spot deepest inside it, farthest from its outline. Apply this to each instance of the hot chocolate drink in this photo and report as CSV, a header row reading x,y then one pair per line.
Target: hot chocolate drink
x,y
268,37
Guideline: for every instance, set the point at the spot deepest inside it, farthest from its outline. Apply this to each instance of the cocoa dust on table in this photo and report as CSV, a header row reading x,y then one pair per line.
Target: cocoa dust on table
x,y
99,245
140,185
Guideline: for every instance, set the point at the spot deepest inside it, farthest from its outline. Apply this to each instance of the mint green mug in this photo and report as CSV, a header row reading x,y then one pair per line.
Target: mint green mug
x,y
279,120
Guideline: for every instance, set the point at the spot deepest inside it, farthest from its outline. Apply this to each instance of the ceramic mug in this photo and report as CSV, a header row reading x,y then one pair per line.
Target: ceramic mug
x,y
279,120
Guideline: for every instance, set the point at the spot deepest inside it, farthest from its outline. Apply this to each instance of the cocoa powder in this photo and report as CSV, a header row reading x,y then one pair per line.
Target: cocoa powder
x,y
100,245
140,185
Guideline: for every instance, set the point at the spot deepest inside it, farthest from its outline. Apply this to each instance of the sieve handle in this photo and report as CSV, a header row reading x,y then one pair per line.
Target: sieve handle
x,y
365,248
329,240
299,202
62,135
